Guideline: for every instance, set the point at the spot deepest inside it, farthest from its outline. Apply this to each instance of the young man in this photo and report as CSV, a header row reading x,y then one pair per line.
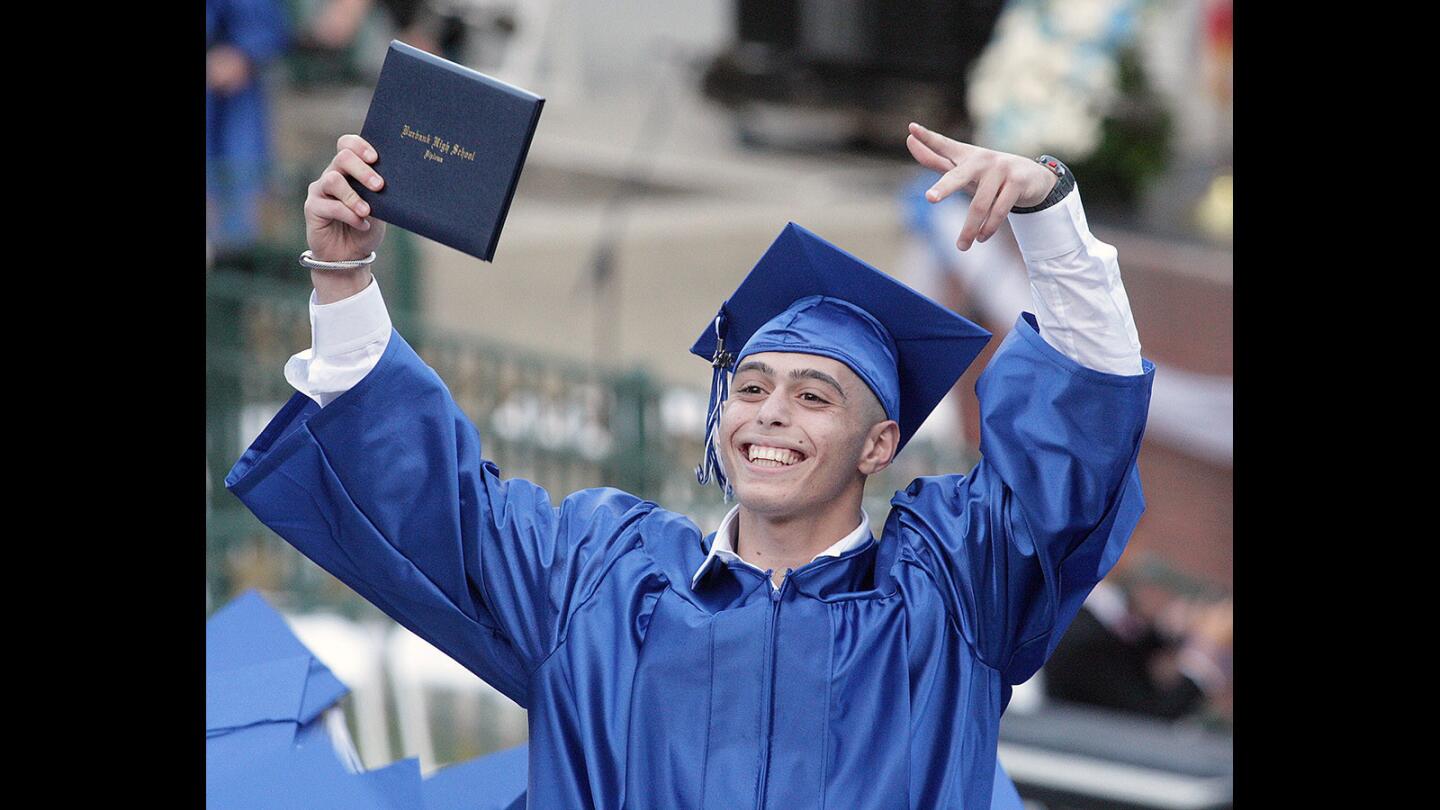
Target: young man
x,y
787,660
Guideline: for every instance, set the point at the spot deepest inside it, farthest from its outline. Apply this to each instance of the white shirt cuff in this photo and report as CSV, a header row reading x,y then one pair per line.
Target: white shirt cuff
x,y
1080,304
1056,231
348,337
345,325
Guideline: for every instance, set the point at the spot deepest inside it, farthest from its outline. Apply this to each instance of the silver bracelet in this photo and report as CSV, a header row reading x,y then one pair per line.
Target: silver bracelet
x,y
307,259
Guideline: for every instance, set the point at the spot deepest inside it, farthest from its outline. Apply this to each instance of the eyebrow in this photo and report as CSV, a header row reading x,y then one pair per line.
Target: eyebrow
x,y
795,374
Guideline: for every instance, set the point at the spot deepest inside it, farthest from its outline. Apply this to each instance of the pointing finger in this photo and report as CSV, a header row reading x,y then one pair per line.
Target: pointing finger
x,y
926,156
941,145
957,179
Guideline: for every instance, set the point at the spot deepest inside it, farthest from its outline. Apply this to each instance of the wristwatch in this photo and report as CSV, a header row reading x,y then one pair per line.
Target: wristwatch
x,y
1062,186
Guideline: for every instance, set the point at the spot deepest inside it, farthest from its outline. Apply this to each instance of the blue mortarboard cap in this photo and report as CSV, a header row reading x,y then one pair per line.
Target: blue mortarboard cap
x,y
806,295
1003,795
268,692
264,690
247,632
313,778
492,782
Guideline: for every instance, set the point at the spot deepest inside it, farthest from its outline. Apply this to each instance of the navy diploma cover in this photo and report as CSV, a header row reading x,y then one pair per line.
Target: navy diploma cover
x,y
451,142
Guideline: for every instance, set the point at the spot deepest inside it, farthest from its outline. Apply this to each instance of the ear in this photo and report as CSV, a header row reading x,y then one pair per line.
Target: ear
x,y
879,448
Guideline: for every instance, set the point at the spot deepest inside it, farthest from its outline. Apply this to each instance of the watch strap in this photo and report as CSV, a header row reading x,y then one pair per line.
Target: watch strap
x,y
1058,193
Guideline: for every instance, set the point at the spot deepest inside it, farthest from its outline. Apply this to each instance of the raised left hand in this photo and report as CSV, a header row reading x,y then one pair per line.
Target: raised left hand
x,y
996,181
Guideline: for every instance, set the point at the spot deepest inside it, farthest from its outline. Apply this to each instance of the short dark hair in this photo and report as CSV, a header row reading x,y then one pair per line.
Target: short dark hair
x,y
870,409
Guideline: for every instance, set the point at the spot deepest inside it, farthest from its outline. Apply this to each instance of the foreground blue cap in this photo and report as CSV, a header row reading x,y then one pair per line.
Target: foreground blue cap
x,y
492,782
248,632
808,296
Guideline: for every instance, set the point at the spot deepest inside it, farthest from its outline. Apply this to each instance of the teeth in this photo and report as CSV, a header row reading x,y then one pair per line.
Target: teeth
x,y
782,456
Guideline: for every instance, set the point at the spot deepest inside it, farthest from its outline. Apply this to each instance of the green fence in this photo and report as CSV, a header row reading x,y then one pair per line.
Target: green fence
x,y
564,425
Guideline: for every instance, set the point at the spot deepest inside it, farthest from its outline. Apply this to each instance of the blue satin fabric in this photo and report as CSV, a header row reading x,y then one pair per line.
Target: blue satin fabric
x,y
871,680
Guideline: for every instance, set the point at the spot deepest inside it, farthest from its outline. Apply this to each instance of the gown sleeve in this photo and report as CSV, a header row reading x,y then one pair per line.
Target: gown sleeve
x,y
386,489
1015,546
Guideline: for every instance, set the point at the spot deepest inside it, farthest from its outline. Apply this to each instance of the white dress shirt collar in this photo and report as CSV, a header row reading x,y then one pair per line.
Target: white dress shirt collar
x,y
724,545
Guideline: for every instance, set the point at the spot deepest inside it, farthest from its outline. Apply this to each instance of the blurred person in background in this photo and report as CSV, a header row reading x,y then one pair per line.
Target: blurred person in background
x,y
241,38
892,661
1137,647
418,23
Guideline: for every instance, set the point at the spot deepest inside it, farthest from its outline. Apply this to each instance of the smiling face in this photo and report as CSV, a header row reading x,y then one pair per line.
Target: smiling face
x,y
799,432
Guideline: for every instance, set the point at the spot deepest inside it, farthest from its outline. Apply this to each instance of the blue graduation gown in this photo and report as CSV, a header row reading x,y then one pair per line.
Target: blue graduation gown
x,y
871,680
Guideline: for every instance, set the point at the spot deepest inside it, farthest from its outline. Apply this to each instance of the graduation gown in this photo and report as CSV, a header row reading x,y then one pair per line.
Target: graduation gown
x,y
875,679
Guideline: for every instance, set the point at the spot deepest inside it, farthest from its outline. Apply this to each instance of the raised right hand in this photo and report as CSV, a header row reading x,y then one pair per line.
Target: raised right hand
x,y
995,181
337,222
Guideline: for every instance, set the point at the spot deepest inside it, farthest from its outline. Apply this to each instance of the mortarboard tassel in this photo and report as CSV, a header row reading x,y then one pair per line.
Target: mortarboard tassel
x,y
710,465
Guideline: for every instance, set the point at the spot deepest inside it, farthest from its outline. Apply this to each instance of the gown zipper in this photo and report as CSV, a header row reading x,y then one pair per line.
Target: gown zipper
x,y
775,596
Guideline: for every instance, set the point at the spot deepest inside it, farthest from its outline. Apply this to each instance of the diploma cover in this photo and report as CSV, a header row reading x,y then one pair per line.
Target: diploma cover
x,y
451,142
